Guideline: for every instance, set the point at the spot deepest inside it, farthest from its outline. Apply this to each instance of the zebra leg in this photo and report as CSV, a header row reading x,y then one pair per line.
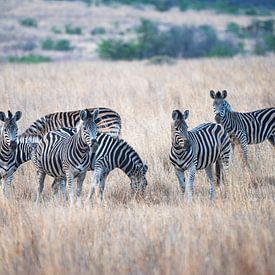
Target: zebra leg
x,y
192,173
62,187
218,165
70,182
6,185
41,178
181,178
80,180
102,184
244,147
209,173
55,188
93,184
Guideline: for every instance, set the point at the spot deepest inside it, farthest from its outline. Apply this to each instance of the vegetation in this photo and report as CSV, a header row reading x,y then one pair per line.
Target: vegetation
x,y
59,45
98,31
177,42
29,59
56,30
29,22
73,30
248,7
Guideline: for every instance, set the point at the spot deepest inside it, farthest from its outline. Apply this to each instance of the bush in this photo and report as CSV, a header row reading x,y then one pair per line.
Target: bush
x,y
73,30
29,59
28,22
177,42
56,30
98,31
118,49
59,45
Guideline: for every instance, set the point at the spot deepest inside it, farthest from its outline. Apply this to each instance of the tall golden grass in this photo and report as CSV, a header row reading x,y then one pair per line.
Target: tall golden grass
x,y
161,234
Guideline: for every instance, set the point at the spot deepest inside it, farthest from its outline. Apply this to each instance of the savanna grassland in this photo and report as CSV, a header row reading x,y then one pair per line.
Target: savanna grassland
x,y
161,234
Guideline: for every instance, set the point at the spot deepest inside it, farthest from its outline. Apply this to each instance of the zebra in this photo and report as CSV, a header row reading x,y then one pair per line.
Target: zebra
x,y
66,156
247,128
197,149
111,153
8,144
108,121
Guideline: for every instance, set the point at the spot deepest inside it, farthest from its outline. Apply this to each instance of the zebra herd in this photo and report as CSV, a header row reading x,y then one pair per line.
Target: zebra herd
x,y
65,145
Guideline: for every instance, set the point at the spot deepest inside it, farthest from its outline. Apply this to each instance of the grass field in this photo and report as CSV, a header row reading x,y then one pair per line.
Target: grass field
x,y
161,234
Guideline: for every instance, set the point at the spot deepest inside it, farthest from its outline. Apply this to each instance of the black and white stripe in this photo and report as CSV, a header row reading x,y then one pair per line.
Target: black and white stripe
x,y
108,121
197,149
65,156
248,128
8,144
111,153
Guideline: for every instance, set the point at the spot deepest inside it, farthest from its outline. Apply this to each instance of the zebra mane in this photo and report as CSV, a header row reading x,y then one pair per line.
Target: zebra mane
x,y
227,106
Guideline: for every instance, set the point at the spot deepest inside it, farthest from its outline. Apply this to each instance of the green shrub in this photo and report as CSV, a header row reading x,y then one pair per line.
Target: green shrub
x,y
29,59
28,22
98,31
118,49
59,45
73,30
56,30
177,42
48,44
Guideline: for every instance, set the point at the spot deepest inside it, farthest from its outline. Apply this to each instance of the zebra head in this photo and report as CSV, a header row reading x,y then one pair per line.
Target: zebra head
x,y
89,128
220,105
138,178
179,129
9,129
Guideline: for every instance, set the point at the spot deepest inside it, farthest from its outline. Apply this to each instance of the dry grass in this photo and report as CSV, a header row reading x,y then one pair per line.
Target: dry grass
x,y
161,234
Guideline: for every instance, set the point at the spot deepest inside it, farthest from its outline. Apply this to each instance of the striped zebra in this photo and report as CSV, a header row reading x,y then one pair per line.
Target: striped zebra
x,y
108,121
8,144
197,149
111,153
65,156
247,128
116,153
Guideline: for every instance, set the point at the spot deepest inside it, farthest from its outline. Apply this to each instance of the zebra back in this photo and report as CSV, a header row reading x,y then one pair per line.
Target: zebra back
x,y
108,121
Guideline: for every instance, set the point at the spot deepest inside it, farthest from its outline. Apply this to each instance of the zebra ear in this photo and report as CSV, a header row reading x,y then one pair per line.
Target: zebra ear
x,y
224,94
175,114
212,94
83,115
2,116
18,115
185,114
95,113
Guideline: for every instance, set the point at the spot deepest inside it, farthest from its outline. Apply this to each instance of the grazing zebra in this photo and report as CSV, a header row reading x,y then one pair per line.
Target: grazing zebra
x,y
247,128
197,149
65,156
8,143
116,153
111,153
108,121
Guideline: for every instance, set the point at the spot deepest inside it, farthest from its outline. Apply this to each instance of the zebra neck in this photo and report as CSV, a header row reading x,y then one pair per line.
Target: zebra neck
x,y
129,161
80,143
5,152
